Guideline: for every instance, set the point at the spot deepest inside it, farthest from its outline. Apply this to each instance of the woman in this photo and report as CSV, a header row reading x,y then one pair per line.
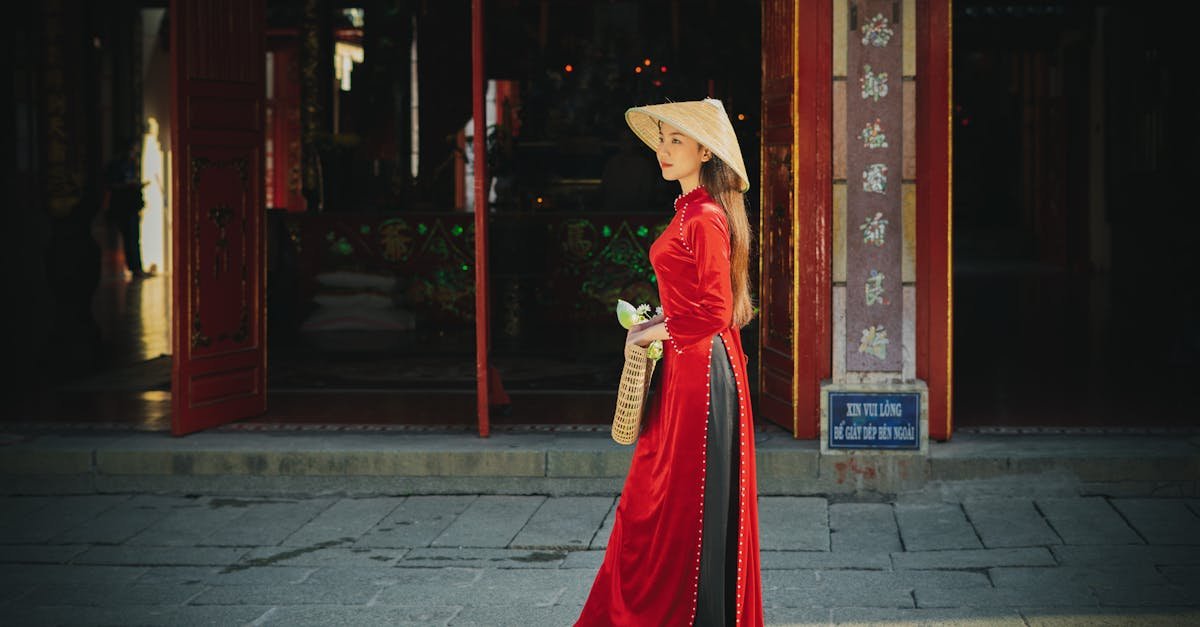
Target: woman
x,y
684,543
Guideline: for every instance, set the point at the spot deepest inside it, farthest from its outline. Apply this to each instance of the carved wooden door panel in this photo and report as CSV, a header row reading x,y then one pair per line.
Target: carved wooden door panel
x,y
795,230
219,324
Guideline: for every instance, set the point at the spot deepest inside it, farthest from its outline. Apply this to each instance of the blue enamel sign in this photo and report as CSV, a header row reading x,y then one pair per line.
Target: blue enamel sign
x,y
879,420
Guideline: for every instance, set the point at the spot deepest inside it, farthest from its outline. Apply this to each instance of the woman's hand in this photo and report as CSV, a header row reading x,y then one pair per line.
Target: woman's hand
x,y
646,332
636,335
649,323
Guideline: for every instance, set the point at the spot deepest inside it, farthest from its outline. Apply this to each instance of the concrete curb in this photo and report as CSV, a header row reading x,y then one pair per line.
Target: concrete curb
x,y
574,463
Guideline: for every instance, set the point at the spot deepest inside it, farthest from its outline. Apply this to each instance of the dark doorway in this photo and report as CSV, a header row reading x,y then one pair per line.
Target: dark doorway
x,y
1072,158
369,288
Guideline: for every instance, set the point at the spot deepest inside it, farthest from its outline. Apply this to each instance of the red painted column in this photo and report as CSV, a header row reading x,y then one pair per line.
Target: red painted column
x,y
813,212
935,311
482,333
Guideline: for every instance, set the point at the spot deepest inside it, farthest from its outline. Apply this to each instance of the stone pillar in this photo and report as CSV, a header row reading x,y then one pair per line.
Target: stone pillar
x,y
874,178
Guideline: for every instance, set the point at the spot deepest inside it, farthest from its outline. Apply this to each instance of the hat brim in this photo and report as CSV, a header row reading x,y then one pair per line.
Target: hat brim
x,y
710,130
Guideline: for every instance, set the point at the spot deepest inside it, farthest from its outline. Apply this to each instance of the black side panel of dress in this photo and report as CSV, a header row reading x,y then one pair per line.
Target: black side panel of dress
x,y
718,553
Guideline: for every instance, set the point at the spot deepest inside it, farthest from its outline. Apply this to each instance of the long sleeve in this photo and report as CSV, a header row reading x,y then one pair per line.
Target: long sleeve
x,y
711,309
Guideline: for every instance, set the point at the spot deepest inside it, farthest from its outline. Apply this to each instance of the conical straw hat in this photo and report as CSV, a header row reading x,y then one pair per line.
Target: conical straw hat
x,y
702,120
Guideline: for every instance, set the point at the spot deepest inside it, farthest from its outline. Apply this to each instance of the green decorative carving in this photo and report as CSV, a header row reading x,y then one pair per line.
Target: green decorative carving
x,y
608,264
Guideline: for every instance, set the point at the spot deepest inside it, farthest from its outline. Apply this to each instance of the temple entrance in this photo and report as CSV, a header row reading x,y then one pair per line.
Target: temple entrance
x,y
1068,164
369,211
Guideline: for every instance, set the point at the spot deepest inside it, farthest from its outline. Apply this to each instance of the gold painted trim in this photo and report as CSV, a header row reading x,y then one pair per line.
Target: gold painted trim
x,y
793,201
949,215
908,212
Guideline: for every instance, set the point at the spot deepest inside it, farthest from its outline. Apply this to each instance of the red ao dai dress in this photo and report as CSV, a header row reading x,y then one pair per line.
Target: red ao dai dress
x,y
684,543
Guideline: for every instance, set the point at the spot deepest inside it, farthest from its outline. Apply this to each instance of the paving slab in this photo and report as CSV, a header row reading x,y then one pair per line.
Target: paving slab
x,y
1106,575
1009,522
1161,521
1123,594
326,593
1110,617
1087,520
346,519
44,521
863,527
435,557
129,583
123,521
160,556
175,616
568,522
423,584
789,523
586,560
782,588
492,616
996,483
382,615
942,579
442,586
40,553
416,521
520,588
67,574
578,586
187,525
790,616
600,540
935,526
264,521
1074,595
217,576
1182,575
331,553
489,521
824,560
106,594
1158,555
924,617
54,484
14,592
15,511
973,558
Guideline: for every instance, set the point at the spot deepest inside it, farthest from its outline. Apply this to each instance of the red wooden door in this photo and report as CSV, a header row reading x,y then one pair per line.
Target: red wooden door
x,y
219,332
795,229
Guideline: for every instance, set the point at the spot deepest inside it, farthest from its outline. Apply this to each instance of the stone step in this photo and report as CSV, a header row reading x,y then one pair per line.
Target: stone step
x,y
538,461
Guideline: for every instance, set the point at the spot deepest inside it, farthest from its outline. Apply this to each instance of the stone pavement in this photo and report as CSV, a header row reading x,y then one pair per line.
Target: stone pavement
x,y
1014,553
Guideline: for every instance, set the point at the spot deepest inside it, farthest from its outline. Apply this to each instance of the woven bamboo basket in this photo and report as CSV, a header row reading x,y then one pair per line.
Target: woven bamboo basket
x,y
631,394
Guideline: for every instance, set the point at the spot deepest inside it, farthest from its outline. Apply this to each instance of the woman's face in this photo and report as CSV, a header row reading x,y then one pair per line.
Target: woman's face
x,y
679,156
